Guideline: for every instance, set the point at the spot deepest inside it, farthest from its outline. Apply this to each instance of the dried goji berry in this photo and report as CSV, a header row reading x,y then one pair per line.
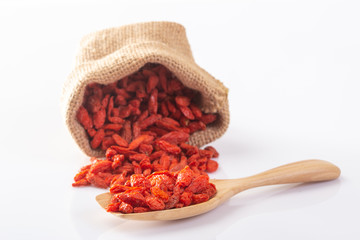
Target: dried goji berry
x,y
98,137
107,142
157,192
208,118
182,101
155,203
186,198
168,147
81,182
141,139
152,82
199,198
198,184
141,209
83,117
112,126
196,111
211,166
119,140
145,148
125,208
175,137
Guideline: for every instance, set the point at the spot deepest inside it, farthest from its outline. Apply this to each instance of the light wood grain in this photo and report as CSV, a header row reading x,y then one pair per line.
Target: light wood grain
x,y
297,172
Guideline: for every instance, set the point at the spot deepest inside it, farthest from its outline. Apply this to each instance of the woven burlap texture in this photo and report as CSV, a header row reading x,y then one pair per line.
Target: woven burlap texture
x,y
111,54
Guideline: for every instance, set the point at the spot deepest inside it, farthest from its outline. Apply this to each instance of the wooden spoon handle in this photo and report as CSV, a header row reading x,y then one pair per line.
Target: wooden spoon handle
x,y
297,172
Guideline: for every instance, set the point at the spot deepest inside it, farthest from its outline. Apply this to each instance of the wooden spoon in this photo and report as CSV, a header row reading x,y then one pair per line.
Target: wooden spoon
x,y
297,172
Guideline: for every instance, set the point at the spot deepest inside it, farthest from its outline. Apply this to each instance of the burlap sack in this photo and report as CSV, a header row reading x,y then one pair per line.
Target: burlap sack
x,y
111,54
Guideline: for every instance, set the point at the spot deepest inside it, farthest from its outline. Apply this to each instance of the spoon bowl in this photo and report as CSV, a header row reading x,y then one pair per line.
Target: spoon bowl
x,y
297,172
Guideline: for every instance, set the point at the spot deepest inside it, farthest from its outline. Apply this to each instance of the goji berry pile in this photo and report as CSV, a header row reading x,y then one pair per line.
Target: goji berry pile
x,y
151,101
143,122
159,191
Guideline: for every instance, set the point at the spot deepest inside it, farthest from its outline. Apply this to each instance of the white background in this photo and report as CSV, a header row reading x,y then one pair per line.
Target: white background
x,y
292,68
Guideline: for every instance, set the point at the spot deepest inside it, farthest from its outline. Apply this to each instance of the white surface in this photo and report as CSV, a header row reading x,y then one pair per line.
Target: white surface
x,y
293,72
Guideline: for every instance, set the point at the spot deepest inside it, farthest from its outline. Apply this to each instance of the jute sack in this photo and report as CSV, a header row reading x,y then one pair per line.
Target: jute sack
x,y
111,54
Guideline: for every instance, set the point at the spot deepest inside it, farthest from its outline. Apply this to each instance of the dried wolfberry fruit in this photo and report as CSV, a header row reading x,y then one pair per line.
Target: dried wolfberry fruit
x,y
182,101
162,179
168,147
152,82
185,177
211,166
122,150
141,209
147,172
125,208
105,101
126,132
100,166
157,192
134,198
110,152
163,79
113,207
91,132
109,133
174,85
213,150
138,180
81,175
172,201
107,142
199,198
177,114
158,131
164,110
118,159
83,117
145,164
141,139
175,137
196,126
119,179
164,161
146,148
112,126
179,166
138,157
171,107
116,120
155,203
153,102
149,121
97,139
196,111
156,155
99,118
198,184
119,140
137,167
81,182
186,198
120,100
97,181
206,153
117,188
210,190
208,118
93,104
